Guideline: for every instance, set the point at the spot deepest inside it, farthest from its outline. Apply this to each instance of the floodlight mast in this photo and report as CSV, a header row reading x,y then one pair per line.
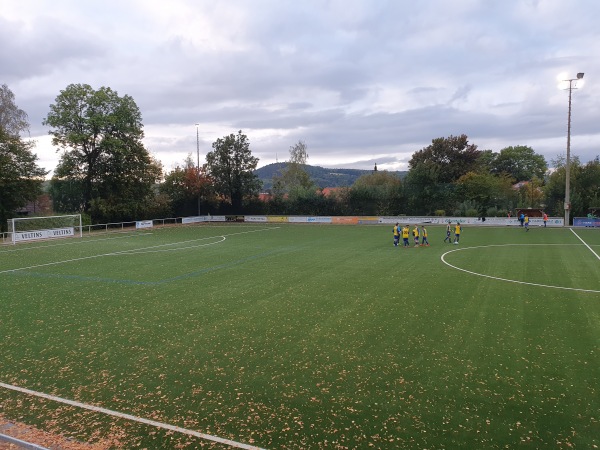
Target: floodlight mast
x,y
568,163
198,162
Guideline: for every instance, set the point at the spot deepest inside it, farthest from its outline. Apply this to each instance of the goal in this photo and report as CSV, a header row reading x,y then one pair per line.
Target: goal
x,y
51,227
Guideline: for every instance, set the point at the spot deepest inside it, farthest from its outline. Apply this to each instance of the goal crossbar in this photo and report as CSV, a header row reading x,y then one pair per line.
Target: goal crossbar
x,y
45,227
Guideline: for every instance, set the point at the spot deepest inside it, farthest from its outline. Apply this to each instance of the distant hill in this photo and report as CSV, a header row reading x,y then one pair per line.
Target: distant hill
x,y
321,176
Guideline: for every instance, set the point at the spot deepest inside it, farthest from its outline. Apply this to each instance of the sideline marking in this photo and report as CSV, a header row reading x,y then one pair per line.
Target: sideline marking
x,y
585,243
141,250
506,279
83,240
21,444
121,415
124,252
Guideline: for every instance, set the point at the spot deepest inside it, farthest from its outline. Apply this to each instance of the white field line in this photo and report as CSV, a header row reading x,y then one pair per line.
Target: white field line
x,y
506,279
139,250
124,252
82,241
21,444
121,415
585,243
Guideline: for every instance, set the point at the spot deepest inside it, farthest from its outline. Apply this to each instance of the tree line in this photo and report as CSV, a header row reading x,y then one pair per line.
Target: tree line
x,y
106,173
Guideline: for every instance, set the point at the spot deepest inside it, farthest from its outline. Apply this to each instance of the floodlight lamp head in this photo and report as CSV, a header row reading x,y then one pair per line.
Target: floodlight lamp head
x,y
580,75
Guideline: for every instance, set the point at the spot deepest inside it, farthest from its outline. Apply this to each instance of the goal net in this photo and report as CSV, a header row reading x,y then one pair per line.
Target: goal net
x,y
35,228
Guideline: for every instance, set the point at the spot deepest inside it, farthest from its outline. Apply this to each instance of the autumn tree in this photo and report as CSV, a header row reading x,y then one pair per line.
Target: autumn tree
x,y
20,176
184,185
231,167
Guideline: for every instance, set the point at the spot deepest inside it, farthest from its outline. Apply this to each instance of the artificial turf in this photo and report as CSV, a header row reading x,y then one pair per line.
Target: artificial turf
x,y
308,336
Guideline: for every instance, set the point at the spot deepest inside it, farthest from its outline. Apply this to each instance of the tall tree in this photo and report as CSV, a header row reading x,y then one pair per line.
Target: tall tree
x,y
13,120
486,191
434,170
100,135
447,158
379,192
520,162
554,188
294,177
231,166
589,184
585,186
20,176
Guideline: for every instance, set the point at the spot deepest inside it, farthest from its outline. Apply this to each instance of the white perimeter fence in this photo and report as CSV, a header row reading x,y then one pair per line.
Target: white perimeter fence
x,y
347,220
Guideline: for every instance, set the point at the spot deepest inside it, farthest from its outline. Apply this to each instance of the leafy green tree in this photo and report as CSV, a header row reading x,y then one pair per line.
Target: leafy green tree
x,y
20,176
447,159
520,162
554,189
531,194
100,135
584,183
230,165
294,176
589,184
378,193
486,161
433,170
486,191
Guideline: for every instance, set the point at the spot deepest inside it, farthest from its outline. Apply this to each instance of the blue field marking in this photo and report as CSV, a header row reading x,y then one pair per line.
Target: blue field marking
x,y
159,248
184,276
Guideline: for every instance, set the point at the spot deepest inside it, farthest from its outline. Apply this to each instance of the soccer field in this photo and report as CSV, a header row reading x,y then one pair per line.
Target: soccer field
x,y
305,337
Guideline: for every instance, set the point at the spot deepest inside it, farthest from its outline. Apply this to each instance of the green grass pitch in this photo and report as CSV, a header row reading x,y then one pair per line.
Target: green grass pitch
x,y
308,336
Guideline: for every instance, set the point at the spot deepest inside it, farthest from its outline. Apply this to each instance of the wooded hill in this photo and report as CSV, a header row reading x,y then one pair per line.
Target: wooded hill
x,y
321,176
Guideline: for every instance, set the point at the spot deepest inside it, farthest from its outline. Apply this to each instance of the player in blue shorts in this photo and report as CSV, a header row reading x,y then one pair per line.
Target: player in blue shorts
x,y
416,235
405,234
457,233
448,233
424,241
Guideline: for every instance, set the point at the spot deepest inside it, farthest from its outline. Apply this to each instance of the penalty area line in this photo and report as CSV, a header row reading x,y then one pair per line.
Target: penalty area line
x,y
443,259
121,415
585,243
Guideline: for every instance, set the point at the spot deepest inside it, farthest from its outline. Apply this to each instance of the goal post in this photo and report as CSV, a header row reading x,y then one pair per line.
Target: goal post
x,y
49,227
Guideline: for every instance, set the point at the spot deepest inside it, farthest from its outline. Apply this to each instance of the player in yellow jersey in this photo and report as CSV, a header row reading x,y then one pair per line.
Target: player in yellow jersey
x,y
405,234
396,232
415,233
424,241
457,233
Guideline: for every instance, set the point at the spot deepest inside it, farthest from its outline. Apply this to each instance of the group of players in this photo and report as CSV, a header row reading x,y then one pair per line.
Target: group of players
x,y
405,233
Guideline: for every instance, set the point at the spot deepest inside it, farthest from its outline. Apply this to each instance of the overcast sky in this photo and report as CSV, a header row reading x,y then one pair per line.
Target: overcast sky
x,y
359,81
